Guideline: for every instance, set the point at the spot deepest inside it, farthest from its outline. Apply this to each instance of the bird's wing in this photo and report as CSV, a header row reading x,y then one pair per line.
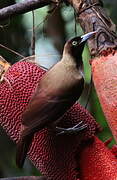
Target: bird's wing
x,y
44,110
40,112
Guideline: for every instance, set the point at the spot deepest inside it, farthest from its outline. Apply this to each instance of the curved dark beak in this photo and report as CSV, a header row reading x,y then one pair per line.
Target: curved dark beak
x,y
87,36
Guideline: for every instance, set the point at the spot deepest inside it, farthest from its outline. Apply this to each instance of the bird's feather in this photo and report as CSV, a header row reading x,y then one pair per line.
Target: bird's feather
x,y
43,110
22,149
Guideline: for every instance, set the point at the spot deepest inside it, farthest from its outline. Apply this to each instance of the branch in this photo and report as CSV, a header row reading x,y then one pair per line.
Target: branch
x,y
25,178
91,16
23,7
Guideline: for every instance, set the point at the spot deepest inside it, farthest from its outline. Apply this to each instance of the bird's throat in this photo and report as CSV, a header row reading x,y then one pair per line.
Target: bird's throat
x,y
70,60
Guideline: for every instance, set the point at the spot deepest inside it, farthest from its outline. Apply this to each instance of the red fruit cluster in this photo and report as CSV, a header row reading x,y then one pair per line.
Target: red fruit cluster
x,y
104,70
97,162
54,156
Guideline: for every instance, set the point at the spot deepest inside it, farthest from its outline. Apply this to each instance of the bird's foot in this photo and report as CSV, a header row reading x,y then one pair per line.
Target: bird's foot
x,y
73,130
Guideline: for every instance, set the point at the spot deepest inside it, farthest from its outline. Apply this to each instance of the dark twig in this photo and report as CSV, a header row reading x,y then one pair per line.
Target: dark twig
x,y
23,7
75,23
33,34
12,51
25,178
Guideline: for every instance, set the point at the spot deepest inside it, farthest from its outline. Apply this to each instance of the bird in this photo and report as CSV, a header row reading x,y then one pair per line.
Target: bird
x,y
55,93
54,156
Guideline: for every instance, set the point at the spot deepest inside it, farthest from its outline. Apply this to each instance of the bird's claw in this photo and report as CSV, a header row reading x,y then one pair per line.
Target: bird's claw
x,y
73,130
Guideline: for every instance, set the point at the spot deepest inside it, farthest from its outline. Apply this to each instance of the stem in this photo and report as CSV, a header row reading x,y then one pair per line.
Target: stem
x,y
25,178
23,7
33,34
92,16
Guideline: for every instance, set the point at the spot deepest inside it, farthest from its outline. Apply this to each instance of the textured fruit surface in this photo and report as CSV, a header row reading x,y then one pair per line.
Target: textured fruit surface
x,y
105,79
53,155
97,162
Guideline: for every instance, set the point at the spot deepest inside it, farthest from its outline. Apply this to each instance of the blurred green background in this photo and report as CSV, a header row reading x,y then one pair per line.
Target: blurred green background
x,y
51,33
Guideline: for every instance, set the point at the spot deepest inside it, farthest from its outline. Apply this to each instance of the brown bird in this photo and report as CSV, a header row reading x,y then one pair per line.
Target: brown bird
x,y
56,92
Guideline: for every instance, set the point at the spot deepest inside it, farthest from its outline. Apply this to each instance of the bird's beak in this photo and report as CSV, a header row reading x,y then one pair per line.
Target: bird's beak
x,y
87,36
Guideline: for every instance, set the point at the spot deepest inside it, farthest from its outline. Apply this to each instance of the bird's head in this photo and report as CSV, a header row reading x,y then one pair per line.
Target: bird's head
x,y
75,46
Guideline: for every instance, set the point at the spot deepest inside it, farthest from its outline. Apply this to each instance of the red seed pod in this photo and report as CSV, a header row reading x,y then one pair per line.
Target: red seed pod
x,y
97,162
104,70
53,155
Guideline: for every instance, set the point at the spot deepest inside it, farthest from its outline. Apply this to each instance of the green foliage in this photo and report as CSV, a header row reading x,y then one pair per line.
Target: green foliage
x,y
96,110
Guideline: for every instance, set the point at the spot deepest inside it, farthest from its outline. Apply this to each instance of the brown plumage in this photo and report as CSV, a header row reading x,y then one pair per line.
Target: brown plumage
x,y
58,90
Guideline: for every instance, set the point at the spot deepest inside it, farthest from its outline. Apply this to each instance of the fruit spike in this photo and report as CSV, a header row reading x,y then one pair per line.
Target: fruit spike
x,y
104,70
53,155
100,162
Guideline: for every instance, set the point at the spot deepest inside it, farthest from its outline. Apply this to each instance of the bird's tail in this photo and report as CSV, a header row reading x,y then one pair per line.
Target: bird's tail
x,y
22,149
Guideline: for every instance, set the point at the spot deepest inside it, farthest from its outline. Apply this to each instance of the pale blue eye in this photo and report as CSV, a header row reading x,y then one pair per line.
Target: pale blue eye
x,y
74,43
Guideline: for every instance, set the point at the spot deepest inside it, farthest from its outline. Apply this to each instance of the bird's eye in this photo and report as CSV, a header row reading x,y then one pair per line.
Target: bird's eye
x,y
74,43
